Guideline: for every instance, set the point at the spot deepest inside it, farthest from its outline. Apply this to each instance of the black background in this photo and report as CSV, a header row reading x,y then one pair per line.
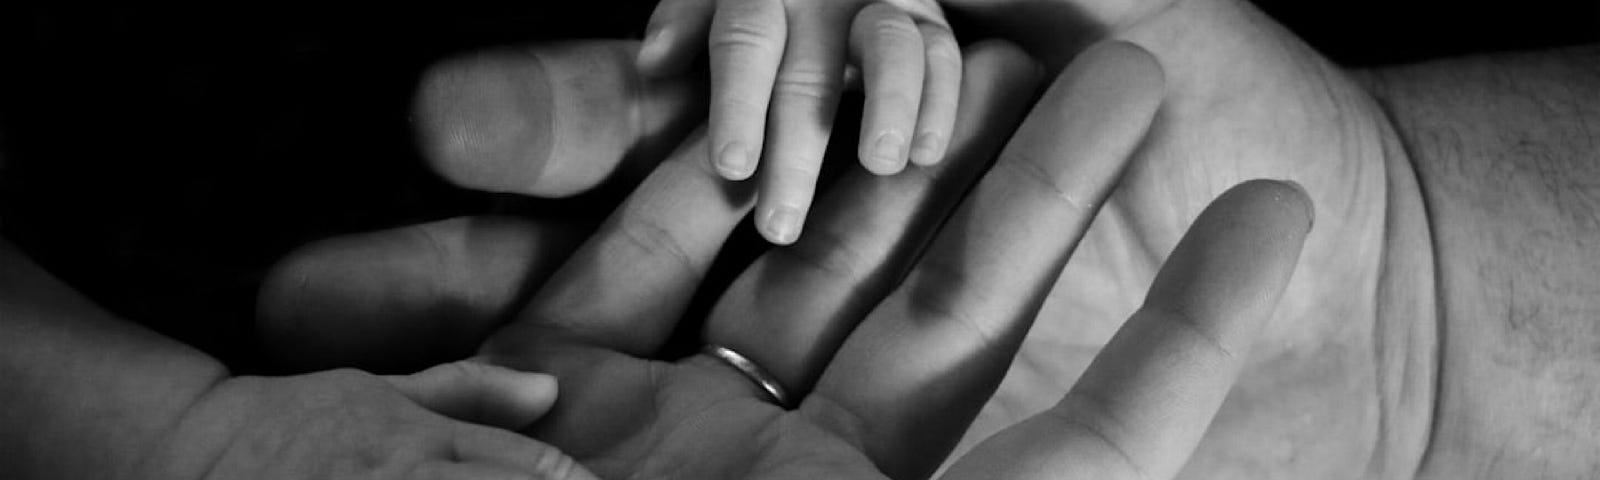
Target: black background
x,y
161,159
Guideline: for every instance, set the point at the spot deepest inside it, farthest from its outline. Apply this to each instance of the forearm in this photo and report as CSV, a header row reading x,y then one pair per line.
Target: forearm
x,y
1507,152
85,394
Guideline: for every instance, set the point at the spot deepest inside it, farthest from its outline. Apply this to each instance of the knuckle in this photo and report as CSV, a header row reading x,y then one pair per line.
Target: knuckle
x,y
956,307
1090,417
740,36
729,102
896,29
806,82
826,252
551,463
1038,180
899,103
655,241
941,48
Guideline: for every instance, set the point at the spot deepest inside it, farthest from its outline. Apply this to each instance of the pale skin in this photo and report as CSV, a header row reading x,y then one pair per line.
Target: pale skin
x,y
778,68
624,415
596,322
1440,111
777,71
1437,325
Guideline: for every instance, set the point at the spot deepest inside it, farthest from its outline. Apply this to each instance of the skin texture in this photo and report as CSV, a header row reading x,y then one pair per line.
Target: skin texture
x,y
778,68
1508,167
894,399
1452,220
1430,331
90,395
1467,149
1308,404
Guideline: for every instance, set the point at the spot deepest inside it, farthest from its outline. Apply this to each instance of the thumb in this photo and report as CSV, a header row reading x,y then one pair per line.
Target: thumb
x,y
476,392
550,120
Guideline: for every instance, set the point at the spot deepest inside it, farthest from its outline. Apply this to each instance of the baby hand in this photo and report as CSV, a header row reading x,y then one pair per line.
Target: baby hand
x,y
789,57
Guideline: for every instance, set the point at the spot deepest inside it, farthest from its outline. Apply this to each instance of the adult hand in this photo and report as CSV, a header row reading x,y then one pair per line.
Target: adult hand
x,y
1343,377
900,350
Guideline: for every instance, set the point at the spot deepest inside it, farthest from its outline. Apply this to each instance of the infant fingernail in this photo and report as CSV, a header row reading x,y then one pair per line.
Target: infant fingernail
x,y
733,162
927,150
783,225
888,152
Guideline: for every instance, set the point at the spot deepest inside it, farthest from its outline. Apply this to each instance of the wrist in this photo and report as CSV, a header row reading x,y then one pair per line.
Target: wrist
x,y
1504,159
85,394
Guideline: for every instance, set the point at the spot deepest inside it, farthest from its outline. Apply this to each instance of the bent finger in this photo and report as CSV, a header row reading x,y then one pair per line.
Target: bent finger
x,y
941,90
1146,400
747,44
889,47
805,96
792,308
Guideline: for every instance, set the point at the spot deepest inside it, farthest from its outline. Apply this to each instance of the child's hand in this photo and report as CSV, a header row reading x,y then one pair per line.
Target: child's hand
x,y
454,421
791,55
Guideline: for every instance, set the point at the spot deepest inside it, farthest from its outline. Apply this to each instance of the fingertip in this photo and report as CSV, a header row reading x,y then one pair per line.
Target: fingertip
x,y
1303,199
523,396
928,149
884,153
1285,202
733,161
1136,68
654,51
781,225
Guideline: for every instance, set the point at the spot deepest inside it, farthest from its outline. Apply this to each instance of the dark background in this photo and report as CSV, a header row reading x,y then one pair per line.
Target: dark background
x,y
161,159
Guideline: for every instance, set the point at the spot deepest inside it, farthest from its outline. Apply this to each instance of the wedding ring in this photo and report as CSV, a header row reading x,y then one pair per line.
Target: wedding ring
x,y
752,371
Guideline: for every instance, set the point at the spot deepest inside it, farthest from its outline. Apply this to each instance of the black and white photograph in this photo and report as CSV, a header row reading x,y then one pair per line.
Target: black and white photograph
x,y
801,239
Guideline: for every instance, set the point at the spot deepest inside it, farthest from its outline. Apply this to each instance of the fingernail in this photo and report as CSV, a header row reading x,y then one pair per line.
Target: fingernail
x,y
927,149
783,225
733,162
888,152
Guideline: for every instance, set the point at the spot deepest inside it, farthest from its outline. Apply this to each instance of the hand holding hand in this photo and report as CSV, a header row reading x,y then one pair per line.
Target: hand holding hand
x,y
777,71
452,421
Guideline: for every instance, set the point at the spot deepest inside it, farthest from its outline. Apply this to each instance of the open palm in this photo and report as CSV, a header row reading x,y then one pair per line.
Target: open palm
x,y
1245,99
890,354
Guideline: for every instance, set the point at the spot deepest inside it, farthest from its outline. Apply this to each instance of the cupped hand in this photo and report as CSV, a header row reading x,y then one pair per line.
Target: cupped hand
x,y
891,326
1342,380
778,69
453,421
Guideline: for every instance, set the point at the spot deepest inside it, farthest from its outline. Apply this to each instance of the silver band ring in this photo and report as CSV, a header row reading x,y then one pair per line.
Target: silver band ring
x,y
752,371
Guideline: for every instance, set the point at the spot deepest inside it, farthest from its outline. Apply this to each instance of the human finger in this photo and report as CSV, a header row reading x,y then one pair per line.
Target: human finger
x,y
404,298
480,393
676,33
626,286
888,46
1145,402
805,95
941,89
908,379
548,120
746,45
494,450
790,310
